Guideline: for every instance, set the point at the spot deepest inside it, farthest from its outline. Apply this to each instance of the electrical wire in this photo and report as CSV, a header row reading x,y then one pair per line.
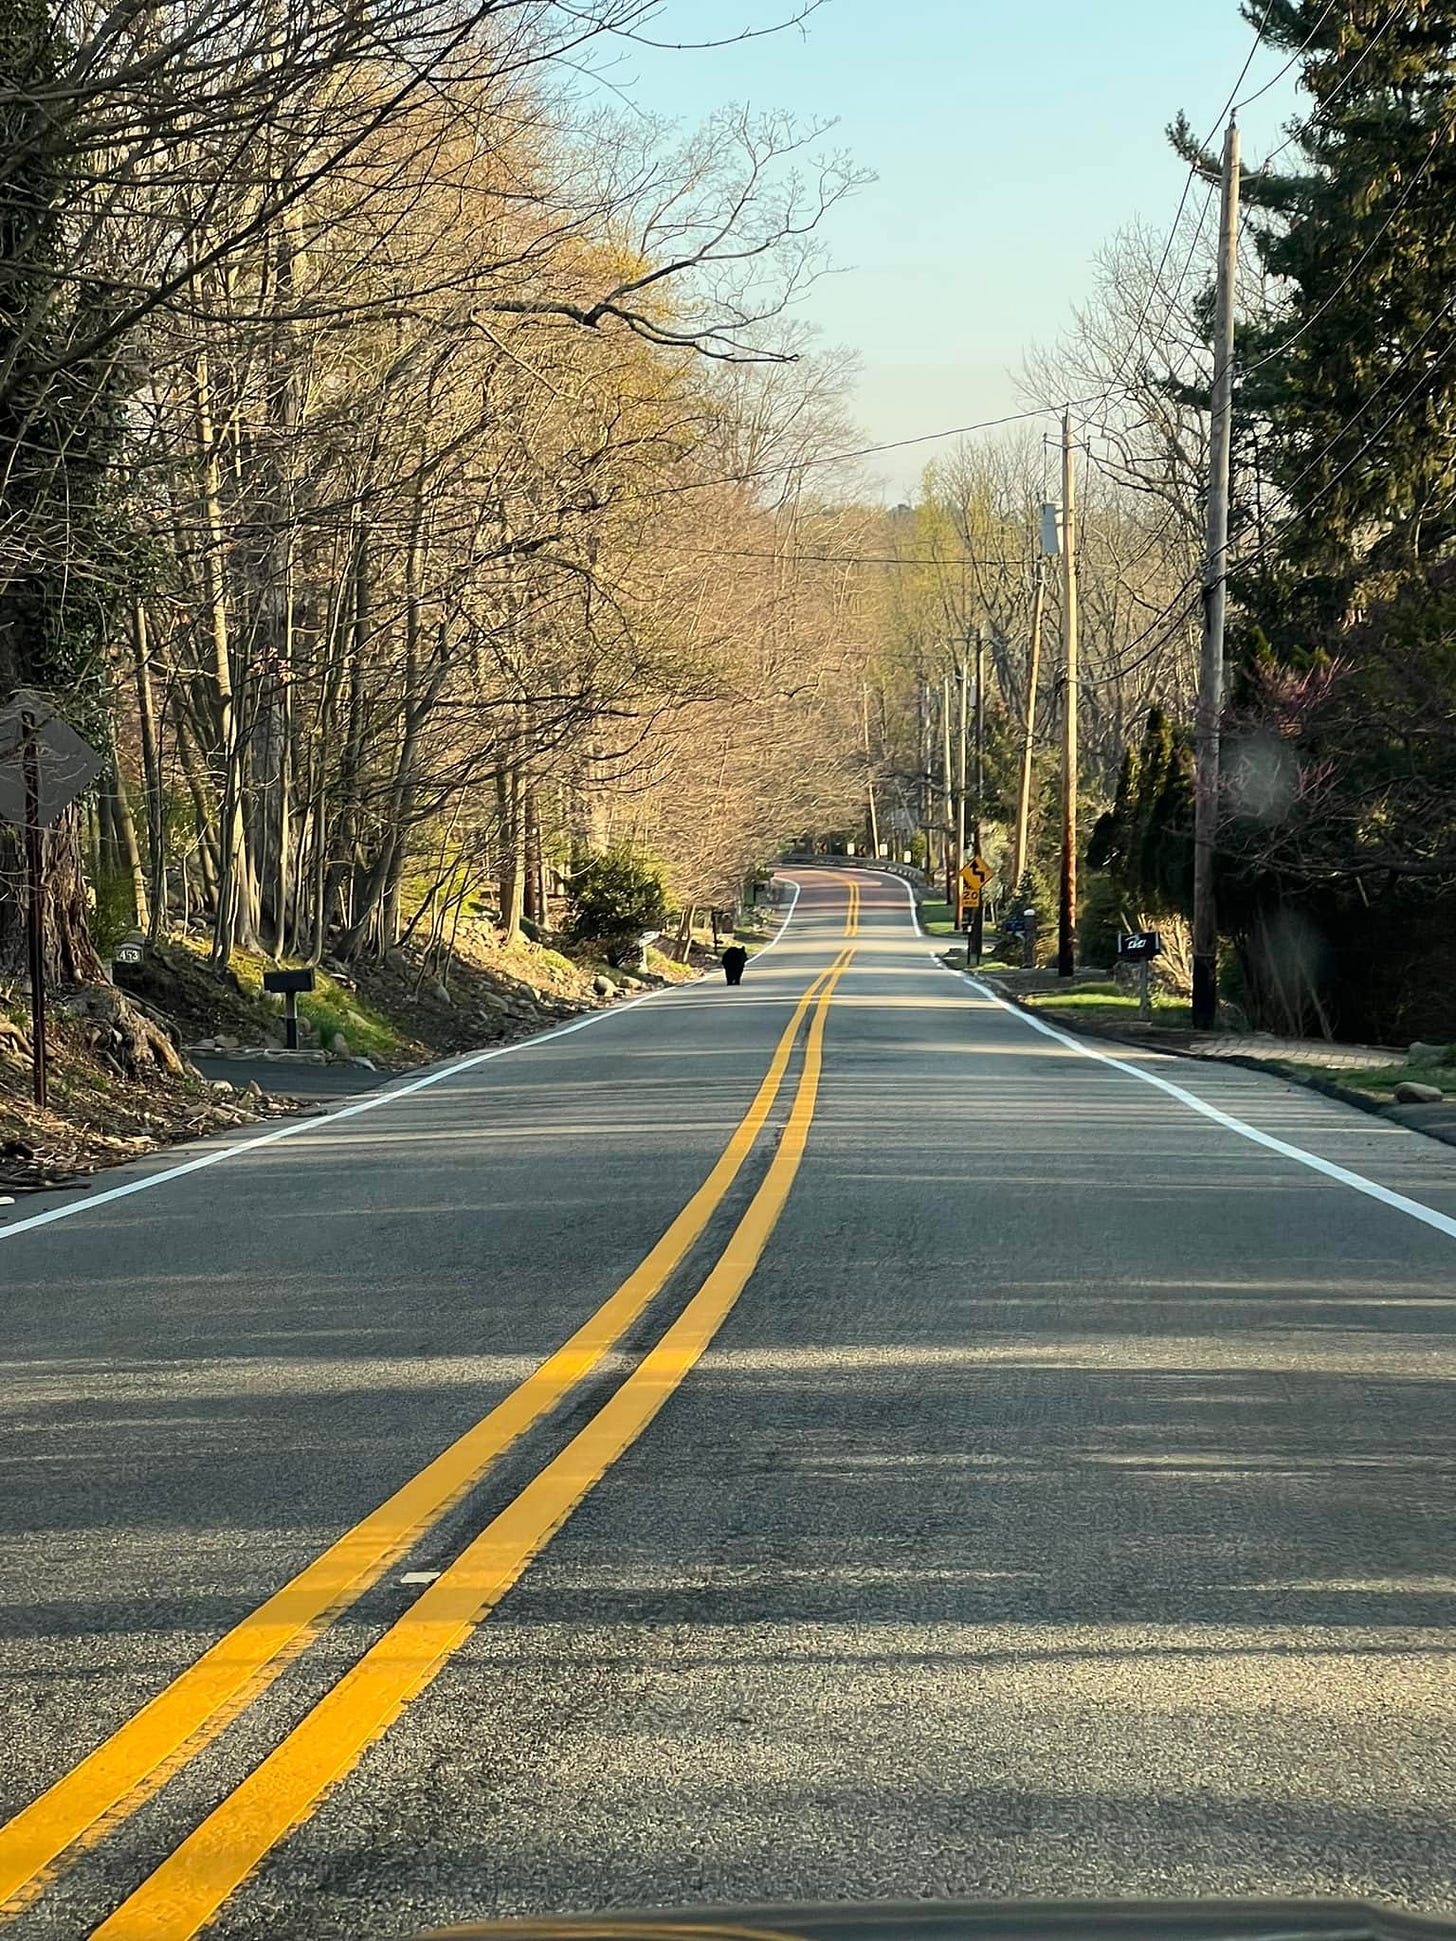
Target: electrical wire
x,y
1188,181
1345,281
1175,610
1302,128
790,556
1435,364
1192,585
1297,55
1087,404
862,451
1234,105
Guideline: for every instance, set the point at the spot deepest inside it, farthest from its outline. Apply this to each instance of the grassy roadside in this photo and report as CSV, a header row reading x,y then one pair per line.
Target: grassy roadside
x,y
1108,1004
328,1010
754,936
1380,1083
1106,1010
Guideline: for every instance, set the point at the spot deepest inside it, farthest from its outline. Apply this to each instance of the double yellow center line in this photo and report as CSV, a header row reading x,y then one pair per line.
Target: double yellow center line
x,y
851,920
189,1887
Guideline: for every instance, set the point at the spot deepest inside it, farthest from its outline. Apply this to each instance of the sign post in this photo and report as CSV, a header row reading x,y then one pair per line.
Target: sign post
x,y
288,984
975,875
35,908
44,766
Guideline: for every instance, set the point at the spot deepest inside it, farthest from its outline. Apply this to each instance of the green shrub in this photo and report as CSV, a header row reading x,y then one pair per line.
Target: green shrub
x,y
615,897
1101,920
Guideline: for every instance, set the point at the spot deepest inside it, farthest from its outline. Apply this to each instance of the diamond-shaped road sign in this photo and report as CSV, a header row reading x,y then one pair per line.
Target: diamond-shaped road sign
x,y
977,873
64,763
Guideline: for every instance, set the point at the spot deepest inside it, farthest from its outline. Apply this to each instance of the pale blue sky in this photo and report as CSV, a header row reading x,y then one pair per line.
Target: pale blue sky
x,y
1009,141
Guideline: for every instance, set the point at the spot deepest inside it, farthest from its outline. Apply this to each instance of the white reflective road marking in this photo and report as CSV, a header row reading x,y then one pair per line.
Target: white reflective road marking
x,y
1427,1215
1342,1175
297,1127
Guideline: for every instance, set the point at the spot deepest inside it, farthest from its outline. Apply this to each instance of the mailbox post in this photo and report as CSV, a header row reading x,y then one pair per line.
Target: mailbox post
x,y
1141,947
289,983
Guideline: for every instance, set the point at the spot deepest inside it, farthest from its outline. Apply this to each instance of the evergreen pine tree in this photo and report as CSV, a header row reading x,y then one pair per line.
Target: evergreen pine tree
x,y
1355,372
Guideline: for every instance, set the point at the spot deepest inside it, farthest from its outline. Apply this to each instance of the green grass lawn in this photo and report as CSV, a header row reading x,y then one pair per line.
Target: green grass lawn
x,y
329,1008
1109,1004
937,917
1383,1079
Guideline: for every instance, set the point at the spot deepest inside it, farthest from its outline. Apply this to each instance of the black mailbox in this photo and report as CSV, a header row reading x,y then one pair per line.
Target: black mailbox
x,y
1141,943
289,983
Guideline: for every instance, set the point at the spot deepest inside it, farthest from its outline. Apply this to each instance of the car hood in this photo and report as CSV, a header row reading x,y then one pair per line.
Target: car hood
x,y
1131,1920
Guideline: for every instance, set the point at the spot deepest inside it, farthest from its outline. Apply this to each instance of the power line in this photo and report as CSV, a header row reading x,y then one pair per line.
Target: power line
x,y
1177,606
1234,105
789,556
1191,584
1297,55
1303,128
924,438
1193,170
1348,278
1385,424
862,451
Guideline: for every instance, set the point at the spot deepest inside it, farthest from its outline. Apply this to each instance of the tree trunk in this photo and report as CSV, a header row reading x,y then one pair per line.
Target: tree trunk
x,y
70,955
152,773
236,917
684,942
512,851
124,835
531,859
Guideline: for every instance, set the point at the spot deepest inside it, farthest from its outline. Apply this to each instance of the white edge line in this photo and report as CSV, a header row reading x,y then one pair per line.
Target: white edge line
x,y
295,1128
1427,1215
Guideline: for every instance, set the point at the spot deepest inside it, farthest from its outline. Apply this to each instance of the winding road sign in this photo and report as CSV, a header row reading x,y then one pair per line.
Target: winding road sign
x,y
64,763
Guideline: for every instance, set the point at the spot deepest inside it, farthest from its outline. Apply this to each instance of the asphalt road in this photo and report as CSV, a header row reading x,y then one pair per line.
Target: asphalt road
x,y
1055,1498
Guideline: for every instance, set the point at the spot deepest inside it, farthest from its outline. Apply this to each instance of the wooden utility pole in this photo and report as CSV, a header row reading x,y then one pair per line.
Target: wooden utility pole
x,y
923,799
1067,915
961,739
872,825
35,906
948,823
978,916
1215,605
1033,676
